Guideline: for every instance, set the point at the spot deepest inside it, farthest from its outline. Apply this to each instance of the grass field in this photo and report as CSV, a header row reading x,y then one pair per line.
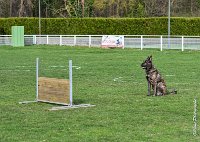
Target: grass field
x,y
111,79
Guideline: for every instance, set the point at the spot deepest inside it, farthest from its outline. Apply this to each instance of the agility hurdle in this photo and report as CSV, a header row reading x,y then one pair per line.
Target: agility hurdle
x,y
55,91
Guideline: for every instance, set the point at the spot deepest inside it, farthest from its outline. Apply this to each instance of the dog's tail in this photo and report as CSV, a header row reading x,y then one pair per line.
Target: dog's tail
x,y
172,91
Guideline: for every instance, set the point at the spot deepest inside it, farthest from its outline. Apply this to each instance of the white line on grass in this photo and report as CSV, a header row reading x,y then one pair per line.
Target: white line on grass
x,y
170,75
16,70
76,67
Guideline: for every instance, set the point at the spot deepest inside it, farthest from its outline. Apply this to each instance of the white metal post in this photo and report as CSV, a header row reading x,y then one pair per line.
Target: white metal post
x,y
141,42
34,39
182,43
39,18
89,40
47,39
60,40
70,82
74,40
169,11
123,42
161,43
37,74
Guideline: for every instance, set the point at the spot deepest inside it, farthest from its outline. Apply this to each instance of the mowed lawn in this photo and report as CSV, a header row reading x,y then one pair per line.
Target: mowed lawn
x,y
111,79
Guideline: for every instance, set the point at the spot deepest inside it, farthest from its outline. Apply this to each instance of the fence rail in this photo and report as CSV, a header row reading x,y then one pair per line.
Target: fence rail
x,y
130,41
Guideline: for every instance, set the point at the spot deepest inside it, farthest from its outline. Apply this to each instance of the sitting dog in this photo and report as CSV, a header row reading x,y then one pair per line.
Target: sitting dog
x,y
154,79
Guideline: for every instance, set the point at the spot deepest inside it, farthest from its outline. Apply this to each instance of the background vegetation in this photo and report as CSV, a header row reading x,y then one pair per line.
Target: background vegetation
x,y
110,79
99,8
101,26
121,16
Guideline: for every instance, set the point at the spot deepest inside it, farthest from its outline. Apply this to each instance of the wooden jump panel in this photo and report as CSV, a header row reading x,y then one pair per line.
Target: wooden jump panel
x,y
53,90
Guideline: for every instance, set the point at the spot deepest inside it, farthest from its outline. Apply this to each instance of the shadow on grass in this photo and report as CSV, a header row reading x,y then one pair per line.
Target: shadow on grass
x,y
79,101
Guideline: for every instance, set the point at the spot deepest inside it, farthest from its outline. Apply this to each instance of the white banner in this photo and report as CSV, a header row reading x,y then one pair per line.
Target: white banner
x,y
112,41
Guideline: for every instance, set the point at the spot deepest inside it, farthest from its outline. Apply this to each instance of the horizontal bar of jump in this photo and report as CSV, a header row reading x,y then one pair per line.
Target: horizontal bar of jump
x,y
51,102
44,101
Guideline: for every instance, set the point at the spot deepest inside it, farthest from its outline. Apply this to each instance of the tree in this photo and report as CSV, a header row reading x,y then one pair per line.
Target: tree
x,y
156,8
4,8
25,8
114,8
98,8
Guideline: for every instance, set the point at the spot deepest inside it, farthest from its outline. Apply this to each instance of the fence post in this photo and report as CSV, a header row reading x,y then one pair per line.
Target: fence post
x,y
70,82
90,40
47,39
34,39
161,43
74,40
182,43
60,40
141,42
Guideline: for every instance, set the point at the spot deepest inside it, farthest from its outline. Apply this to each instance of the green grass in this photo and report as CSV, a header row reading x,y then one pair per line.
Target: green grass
x,y
111,79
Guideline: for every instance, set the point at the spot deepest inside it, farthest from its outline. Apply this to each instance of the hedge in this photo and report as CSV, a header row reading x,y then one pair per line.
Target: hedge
x,y
103,26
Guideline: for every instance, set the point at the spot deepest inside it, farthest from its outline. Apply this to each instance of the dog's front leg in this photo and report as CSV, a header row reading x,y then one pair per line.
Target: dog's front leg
x,y
149,86
155,88
149,89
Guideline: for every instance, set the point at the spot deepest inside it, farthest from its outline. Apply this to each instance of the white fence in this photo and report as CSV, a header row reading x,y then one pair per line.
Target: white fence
x,y
130,41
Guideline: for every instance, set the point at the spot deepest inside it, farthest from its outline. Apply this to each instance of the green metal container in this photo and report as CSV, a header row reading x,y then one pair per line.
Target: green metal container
x,y
17,36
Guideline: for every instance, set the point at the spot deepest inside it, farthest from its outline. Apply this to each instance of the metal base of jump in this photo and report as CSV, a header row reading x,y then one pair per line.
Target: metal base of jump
x,y
42,101
61,107
71,107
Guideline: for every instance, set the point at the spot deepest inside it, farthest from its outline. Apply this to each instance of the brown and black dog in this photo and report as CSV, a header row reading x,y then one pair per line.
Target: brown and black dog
x,y
154,79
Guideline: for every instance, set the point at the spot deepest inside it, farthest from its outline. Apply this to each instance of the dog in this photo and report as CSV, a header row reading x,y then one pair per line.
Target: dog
x,y
154,79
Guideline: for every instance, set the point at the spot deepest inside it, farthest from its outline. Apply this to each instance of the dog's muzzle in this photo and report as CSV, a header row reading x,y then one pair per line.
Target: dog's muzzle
x,y
143,66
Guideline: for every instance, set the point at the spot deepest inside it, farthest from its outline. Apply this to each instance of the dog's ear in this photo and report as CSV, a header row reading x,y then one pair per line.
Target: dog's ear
x,y
150,58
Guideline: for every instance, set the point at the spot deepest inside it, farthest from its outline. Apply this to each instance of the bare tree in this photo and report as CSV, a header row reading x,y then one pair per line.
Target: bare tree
x,y
25,8
155,8
4,8
114,8
83,7
98,8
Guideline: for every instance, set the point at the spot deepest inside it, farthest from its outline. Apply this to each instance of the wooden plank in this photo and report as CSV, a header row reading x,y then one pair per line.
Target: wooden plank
x,y
53,90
